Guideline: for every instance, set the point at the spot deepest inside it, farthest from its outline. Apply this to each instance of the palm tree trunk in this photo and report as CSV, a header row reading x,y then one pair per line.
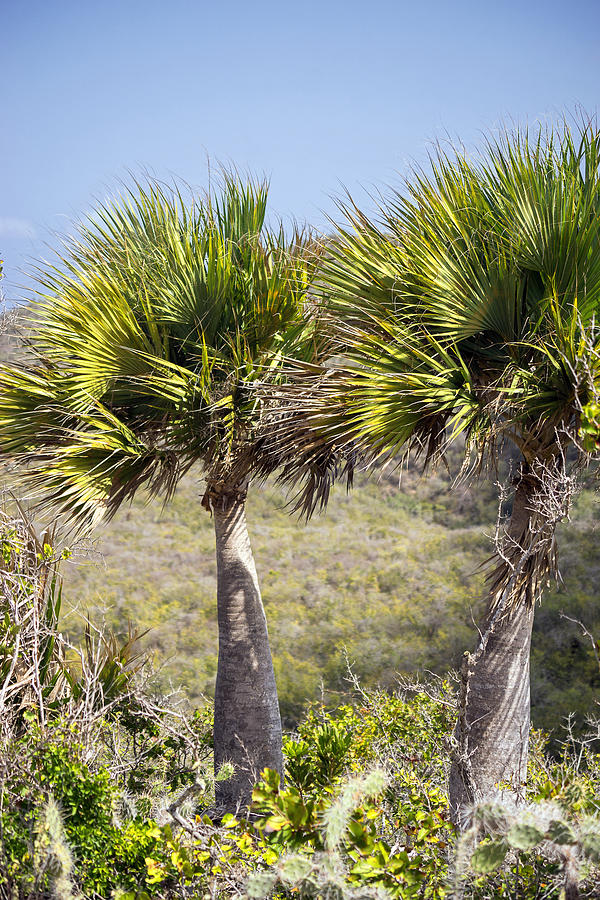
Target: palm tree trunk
x,y
247,729
492,734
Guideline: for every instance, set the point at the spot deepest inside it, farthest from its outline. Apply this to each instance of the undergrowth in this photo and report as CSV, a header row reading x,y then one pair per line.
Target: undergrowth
x,y
107,791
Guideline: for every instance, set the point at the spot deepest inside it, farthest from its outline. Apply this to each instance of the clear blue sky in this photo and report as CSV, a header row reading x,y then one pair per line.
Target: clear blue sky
x,y
315,94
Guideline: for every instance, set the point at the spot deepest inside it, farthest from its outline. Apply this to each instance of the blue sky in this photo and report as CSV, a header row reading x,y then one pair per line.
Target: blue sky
x,y
314,94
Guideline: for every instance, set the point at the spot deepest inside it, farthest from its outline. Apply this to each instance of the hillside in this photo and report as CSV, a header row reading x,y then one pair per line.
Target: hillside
x,y
390,575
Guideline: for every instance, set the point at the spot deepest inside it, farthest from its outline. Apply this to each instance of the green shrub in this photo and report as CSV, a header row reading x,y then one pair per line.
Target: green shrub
x,y
363,813
52,767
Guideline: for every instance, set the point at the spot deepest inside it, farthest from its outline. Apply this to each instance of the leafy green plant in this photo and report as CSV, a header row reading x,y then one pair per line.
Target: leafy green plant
x,y
319,757
71,837
78,732
340,841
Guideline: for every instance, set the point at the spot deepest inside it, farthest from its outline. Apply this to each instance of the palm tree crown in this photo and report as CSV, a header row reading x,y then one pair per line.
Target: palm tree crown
x,y
466,308
147,337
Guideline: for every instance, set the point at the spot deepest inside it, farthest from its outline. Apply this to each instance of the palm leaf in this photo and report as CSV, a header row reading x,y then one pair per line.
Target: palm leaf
x,y
152,337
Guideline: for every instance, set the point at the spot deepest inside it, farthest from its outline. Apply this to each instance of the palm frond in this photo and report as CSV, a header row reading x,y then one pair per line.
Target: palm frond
x,y
150,336
465,307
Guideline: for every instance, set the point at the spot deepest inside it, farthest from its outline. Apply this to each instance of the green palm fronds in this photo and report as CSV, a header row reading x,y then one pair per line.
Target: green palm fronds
x,y
469,307
148,338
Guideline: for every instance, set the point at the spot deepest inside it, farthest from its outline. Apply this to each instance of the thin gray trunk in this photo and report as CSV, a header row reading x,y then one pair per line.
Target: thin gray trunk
x,y
494,710
247,730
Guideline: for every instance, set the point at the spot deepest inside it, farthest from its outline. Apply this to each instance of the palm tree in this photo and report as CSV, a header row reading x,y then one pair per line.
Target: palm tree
x,y
467,309
148,339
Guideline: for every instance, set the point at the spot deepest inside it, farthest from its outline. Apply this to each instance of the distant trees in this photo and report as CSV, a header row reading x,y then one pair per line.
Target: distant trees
x,y
469,308
147,339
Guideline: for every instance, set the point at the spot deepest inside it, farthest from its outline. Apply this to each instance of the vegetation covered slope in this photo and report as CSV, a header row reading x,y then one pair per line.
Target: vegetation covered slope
x,y
108,788
391,574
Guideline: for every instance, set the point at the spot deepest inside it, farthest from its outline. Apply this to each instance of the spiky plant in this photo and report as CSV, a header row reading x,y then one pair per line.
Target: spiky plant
x,y
52,857
148,339
468,309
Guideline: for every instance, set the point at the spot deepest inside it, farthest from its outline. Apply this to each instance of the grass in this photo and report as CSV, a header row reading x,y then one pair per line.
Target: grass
x,y
390,577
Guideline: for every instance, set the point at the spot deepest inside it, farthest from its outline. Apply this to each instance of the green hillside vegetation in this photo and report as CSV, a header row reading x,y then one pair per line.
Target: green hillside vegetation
x,y
391,576
108,789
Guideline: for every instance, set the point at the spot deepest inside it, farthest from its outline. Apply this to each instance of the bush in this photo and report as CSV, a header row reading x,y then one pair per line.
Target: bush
x,y
106,789
87,752
363,813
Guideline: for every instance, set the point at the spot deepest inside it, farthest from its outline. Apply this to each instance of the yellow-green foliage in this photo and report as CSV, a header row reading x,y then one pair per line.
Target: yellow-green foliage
x,y
379,574
392,573
363,809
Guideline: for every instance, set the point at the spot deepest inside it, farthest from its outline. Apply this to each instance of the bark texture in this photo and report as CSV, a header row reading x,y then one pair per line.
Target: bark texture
x,y
247,730
492,734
